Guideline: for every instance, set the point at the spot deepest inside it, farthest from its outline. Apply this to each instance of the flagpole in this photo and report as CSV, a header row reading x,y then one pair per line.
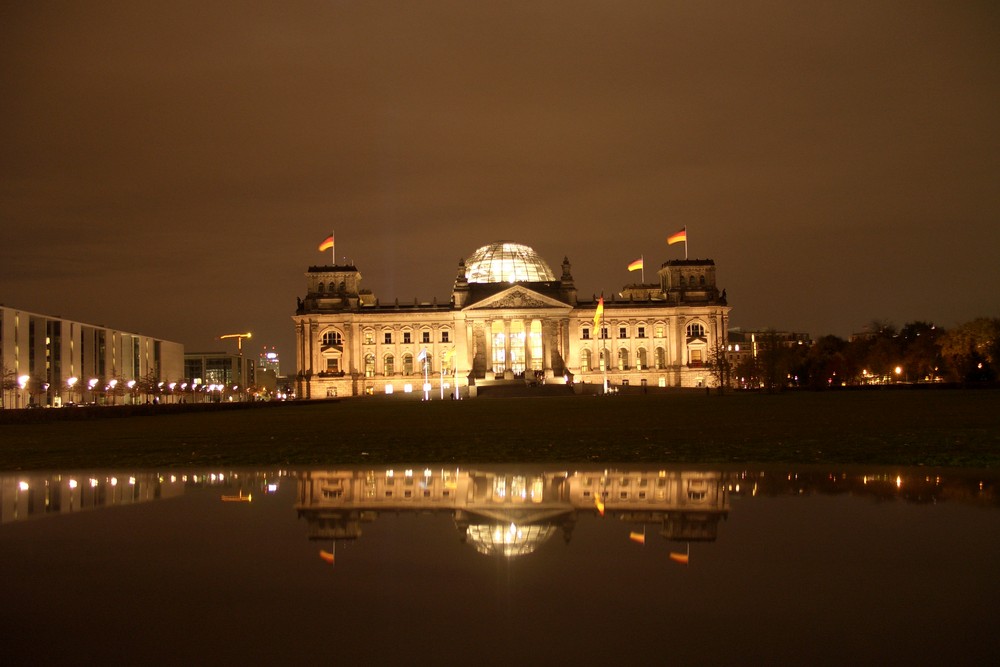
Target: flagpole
x,y
333,247
642,270
604,353
685,242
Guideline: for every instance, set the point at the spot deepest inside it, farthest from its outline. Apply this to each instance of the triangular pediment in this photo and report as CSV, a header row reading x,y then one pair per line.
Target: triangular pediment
x,y
517,297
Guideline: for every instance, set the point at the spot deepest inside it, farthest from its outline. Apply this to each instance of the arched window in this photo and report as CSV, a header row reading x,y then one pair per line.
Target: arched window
x,y
322,288
605,359
369,365
640,359
332,338
389,364
661,359
585,361
696,330
701,280
407,364
622,359
691,281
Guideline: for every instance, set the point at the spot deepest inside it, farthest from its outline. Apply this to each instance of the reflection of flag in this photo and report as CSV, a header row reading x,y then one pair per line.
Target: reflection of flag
x,y
636,265
327,556
599,504
327,243
679,237
637,537
599,313
679,558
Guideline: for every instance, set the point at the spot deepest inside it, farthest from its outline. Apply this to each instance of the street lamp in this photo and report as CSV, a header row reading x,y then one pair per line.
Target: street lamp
x,y
70,383
22,382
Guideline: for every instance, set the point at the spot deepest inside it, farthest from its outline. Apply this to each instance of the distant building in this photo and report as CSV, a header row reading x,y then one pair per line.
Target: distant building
x,y
509,321
269,360
230,375
51,361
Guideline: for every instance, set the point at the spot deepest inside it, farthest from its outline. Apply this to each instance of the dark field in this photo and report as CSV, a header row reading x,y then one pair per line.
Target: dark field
x,y
957,428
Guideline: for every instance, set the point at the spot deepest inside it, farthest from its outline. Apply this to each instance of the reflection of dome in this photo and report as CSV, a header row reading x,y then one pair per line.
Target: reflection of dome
x,y
506,262
510,540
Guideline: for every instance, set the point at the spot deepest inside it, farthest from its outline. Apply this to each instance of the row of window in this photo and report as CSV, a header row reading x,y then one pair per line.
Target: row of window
x,y
624,359
336,338
694,330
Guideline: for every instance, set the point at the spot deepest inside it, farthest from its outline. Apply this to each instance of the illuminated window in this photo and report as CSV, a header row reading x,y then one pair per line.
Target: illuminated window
x,y
369,365
536,345
661,358
696,356
506,262
406,337
499,343
605,359
407,364
585,361
332,338
333,365
517,338
369,337
640,359
659,331
696,330
389,364
622,359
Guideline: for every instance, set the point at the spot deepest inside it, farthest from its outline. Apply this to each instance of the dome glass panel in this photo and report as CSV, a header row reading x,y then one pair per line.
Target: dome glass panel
x,y
506,262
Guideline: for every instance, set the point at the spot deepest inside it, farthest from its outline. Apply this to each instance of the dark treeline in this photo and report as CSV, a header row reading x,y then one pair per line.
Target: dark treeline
x,y
917,352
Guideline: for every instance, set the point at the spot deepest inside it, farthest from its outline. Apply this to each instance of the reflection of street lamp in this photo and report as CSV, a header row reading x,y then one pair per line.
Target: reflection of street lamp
x,y
899,371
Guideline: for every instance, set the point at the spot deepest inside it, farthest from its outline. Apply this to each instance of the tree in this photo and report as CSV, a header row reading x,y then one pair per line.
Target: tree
x,y
720,367
972,350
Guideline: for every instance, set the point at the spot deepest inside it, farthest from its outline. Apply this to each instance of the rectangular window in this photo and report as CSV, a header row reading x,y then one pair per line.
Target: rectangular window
x,y
425,336
369,338
641,332
604,332
444,336
332,365
586,333
388,338
406,337
659,331
623,332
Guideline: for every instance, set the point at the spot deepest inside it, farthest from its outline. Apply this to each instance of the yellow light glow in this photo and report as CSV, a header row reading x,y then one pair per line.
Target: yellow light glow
x,y
22,486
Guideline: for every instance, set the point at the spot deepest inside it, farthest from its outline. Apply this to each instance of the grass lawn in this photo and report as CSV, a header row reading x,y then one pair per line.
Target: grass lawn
x,y
957,428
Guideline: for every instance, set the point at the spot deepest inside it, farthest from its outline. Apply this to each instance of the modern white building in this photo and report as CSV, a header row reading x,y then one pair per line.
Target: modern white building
x,y
510,321
52,361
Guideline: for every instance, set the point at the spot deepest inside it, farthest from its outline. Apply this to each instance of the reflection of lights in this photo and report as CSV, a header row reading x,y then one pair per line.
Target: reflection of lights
x,y
72,483
93,482
272,487
22,486
131,481
899,481
130,384
71,382
389,473
427,472
173,479
91,383
114,481
408,473
22,381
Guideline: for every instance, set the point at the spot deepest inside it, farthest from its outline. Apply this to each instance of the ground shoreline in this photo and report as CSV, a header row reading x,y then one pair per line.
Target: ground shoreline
x,y
939,428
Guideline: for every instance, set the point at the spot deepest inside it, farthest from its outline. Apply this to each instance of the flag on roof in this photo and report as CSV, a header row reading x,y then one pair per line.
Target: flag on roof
x,y
636,265
327,243
678,237
599,313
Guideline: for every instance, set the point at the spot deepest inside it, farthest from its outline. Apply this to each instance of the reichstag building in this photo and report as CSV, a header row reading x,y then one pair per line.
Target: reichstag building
x,y
510,322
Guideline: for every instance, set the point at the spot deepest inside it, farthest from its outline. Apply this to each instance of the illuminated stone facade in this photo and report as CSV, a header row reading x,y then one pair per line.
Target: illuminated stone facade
x,y
505,326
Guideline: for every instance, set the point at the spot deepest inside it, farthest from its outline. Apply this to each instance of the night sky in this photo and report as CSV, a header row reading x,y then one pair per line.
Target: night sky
x,y
170,168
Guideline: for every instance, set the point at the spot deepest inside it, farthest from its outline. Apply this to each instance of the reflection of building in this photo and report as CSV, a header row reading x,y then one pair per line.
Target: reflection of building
x,y
509,320
63,361
34,495
513,512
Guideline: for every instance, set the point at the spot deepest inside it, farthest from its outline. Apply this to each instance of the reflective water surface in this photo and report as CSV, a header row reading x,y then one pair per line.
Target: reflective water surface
x,y
487,565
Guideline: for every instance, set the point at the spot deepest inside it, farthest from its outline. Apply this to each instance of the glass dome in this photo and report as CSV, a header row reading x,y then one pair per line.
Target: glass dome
x,y
510,540
506,262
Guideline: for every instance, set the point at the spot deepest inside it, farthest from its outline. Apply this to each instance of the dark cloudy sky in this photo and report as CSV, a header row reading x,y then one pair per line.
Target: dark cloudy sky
x,y
169,168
